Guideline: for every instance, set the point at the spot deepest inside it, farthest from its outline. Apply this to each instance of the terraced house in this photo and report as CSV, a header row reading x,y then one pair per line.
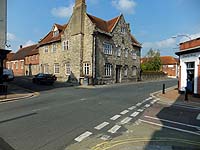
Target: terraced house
x,y
91,49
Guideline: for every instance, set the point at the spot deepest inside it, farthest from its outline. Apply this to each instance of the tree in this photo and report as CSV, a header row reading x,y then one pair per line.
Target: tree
x,y
152,61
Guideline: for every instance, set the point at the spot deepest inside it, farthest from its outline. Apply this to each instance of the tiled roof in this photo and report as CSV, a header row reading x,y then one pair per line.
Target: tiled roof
x,y
103,25
10,56
23,52
108,26
49,38
168,60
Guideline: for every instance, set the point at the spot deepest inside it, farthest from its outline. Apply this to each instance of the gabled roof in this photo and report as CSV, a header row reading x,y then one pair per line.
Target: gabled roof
x,y
49,38
168,60
108,26
23,52
103,25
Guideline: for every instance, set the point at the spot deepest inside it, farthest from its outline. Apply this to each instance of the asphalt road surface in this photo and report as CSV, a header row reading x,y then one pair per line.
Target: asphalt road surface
x,y
54,119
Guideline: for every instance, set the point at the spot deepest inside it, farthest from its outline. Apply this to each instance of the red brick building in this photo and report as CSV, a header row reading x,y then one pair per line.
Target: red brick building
x,y
190,66
24,61
170,66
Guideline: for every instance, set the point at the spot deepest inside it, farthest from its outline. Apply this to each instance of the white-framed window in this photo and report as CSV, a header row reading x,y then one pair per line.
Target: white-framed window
x,y
67,69
118,52
107,48
46,68
22,65
170,66
126,71
108,69
126,53
16,65
55,33
54,48
46,50
134,71
86,69
8,65
65,45
123,30
134,55
56,68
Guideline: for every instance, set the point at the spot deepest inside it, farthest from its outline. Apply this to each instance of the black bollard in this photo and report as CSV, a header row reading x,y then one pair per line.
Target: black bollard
x,y
186,94
163,90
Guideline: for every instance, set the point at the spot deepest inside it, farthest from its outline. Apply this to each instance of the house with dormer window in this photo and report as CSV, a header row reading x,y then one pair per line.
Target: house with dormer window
x,y
91,49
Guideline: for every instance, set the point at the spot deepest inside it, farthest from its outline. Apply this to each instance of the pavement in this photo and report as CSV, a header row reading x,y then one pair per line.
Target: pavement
x,y
138,135
15,92
149,130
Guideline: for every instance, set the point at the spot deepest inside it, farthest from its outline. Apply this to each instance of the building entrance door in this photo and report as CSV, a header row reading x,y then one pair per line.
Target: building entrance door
x,y
190,76
118,73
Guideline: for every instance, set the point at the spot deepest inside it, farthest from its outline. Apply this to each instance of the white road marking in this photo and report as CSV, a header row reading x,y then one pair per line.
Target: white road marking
x,y
188,125
198,117
131,108
115,117
105,137
99,127
138,104
114,129
173,128
135,114
83,136
147,105
126,120
124,112
140,110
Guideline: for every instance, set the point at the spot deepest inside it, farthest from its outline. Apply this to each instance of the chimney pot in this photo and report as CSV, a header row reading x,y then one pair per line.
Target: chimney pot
x,y
21,46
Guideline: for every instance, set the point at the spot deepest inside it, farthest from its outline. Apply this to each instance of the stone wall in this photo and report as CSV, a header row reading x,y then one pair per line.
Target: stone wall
x,y
120,41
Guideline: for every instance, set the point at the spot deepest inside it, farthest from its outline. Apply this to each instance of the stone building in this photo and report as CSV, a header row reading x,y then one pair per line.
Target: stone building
x,y
90,49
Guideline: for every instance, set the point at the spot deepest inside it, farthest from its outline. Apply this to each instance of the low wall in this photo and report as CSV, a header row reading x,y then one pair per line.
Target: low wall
x,y
153,76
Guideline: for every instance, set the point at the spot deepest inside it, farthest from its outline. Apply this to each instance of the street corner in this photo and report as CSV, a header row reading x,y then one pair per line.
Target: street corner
x,y
139,136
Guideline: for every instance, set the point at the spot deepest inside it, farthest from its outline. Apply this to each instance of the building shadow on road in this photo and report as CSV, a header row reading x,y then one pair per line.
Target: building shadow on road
x,y
26,83
176,126
4,145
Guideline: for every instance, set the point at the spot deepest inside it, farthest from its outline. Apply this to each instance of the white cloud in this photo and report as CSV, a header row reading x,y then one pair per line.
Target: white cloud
x,y
187,37
62,12
125,6
168,43
28,43
11,37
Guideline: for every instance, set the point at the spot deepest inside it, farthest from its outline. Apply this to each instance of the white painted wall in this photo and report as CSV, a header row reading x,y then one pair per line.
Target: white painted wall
x,y
193,57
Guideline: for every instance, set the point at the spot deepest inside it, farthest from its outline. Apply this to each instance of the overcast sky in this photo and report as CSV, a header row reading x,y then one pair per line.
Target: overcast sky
x,y
153,22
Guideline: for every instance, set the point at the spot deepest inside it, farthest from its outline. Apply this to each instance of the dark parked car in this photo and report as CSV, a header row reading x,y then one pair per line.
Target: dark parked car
x,y
42,78
8,75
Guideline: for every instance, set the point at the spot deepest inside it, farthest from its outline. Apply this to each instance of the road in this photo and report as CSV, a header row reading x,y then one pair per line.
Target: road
x,y
58,116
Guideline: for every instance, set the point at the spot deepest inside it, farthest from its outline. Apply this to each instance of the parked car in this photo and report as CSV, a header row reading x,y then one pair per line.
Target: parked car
x,y
8,75
42,78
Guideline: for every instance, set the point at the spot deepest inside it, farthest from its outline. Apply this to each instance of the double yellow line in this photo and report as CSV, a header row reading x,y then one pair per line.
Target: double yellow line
x,y
109,145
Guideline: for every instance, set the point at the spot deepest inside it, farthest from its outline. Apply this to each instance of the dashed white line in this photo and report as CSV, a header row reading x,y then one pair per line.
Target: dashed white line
x,y
124,112
147,105
126,120
132,107
135,114
115,117
83,136
138,104
101,126
140,110
114,129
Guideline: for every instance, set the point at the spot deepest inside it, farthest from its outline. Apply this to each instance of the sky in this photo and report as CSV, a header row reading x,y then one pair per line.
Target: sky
x,y
152,22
